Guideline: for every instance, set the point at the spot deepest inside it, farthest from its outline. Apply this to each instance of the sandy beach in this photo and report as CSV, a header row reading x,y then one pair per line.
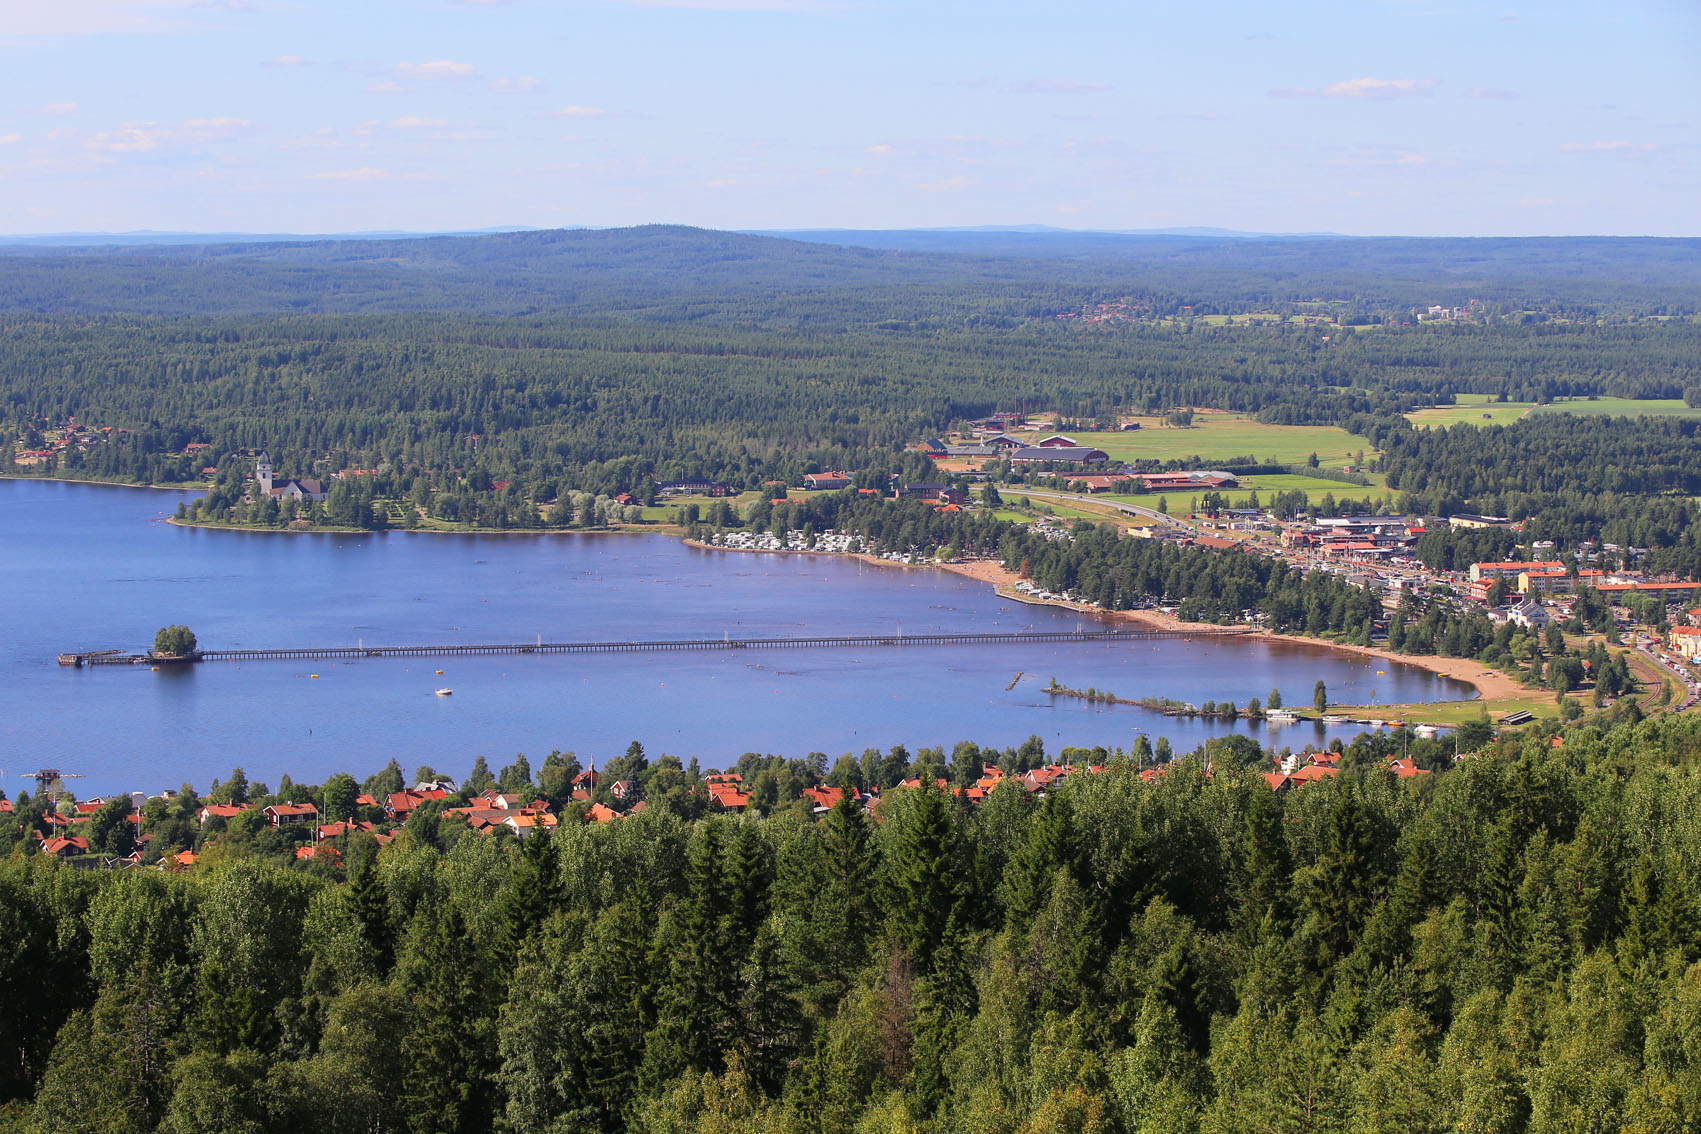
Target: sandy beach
x,y
1490,684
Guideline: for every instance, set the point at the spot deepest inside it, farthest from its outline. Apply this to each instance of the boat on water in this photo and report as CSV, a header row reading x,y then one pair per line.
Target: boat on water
x,y
1281,716
445,692
1333,719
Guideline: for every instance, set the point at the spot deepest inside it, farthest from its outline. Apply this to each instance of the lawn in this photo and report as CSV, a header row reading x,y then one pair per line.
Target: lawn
x,y
1214,437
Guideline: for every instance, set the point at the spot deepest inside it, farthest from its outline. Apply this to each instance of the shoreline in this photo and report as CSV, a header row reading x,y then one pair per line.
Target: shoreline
x,y
106,483
1490,685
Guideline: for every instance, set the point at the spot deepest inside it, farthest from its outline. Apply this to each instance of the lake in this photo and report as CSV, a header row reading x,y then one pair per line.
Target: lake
x,y
86,567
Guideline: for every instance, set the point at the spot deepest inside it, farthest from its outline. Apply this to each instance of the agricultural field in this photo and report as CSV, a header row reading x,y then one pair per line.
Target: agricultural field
x,y
1479,409
1215,437
1315,488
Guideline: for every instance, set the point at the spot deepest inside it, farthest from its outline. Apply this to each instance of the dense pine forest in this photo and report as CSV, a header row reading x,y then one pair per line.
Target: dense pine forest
x,y
1512,943
599,363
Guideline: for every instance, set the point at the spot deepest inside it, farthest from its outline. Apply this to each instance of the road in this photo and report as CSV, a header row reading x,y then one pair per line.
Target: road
x,y
1127,509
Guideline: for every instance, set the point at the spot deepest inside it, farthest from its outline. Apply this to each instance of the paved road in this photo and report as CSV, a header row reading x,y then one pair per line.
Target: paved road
x,y
1127,509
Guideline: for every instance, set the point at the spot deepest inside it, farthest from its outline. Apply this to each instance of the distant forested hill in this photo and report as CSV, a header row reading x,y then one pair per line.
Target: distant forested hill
x,y
683,273
603,360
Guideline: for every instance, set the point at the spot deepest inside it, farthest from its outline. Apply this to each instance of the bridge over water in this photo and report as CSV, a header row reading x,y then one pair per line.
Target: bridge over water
x,y
862,641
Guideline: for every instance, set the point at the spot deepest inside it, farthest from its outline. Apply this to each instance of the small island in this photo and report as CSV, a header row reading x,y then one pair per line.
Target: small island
x,y
174,644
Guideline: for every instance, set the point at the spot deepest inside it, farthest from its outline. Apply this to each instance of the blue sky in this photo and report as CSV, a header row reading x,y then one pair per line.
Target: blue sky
x,y
1424,117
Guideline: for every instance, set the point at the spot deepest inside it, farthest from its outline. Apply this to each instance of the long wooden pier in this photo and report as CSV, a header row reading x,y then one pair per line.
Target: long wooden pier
x,y
863,641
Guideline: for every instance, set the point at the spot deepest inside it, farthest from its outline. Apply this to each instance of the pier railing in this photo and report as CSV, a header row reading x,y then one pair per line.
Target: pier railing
x,y
862,641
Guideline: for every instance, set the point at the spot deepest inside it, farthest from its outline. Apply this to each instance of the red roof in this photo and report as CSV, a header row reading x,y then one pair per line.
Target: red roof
x,y
823,796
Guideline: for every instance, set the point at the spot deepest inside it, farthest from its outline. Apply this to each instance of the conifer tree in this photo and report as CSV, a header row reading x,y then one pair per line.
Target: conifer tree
x,y
922,890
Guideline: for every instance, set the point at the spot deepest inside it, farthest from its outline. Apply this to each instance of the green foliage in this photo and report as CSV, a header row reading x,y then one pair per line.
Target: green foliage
x,y
1508,944
174,641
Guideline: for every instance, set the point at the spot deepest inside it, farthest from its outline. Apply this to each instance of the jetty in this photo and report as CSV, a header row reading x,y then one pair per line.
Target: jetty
x,y
674,645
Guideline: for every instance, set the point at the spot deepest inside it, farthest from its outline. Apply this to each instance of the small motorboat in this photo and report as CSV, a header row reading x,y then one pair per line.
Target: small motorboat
x,y
445,692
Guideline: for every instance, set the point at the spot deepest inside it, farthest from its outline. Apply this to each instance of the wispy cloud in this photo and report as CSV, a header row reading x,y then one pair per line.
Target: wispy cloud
x,y
1058,86
59,109
1609,147
1365,89
286,61
415,122
10,139
580,112
130,138
435,71
364,173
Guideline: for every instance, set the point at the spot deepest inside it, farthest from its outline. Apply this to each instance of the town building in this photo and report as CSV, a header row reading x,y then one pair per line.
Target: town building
x,y
1511,569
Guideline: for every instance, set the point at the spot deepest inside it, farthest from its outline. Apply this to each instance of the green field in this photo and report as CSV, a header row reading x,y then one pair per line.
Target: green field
x,y
1315,488
1455,713
1476,409
1623,407
1214,437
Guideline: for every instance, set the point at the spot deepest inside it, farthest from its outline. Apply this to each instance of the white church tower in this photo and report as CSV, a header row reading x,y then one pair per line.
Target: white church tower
x,y
263,473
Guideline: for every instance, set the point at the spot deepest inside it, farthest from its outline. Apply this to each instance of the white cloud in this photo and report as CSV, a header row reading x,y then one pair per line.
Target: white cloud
x,y
414,122
436,70
581,112
1366,89
882,148
1609,147
286,61
10,139
59,109
130,138
364,173
518,84
1058,86
388,86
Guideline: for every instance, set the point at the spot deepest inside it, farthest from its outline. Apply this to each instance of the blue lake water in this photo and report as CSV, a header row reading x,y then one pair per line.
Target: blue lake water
x,y
89,567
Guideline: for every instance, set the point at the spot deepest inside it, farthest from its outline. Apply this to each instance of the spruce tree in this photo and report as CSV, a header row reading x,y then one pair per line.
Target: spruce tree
x,y
921,884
